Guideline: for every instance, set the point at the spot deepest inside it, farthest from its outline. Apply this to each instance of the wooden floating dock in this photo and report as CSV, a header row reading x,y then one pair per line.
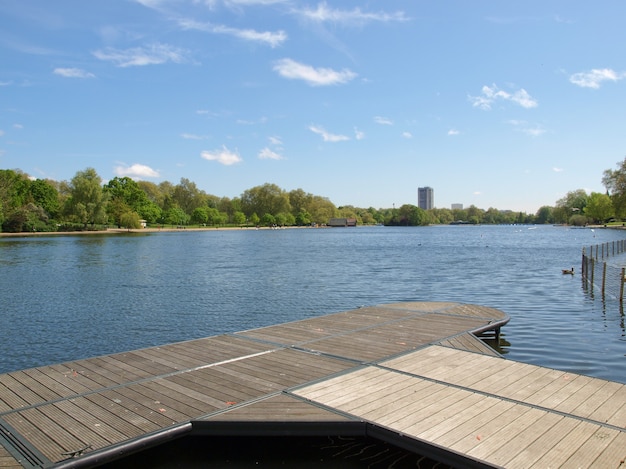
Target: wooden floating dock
x,y
410,374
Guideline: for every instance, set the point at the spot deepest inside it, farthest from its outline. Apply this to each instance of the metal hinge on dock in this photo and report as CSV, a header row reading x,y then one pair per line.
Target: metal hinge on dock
x,y
21,450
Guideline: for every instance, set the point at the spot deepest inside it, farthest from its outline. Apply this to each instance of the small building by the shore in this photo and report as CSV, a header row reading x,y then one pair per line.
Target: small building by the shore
x,y
341,222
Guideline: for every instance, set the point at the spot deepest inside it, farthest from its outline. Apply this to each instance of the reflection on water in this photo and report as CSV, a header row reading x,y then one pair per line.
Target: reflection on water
x,y
72,297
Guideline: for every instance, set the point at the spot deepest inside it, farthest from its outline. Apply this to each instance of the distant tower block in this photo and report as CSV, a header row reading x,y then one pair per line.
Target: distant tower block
x,y
457,207
425,198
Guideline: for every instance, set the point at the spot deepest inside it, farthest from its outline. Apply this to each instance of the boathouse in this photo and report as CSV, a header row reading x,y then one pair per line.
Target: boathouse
x,y
341,222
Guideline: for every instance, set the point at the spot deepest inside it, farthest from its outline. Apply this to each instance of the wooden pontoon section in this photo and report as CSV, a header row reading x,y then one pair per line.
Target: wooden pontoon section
x,y
412,374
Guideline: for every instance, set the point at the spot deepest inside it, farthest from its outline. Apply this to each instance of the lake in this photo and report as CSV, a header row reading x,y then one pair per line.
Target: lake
x,y
70,297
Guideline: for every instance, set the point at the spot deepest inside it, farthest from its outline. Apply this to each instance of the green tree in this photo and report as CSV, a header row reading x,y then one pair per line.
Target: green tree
x,y
599,207
125,193
615,183
87,202
239,218
130,220
200,215
188,197
45,195
176,216
268,219
268,198
544,215
573,203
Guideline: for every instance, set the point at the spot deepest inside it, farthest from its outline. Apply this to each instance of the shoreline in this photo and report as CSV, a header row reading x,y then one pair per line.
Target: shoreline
x,y
146,230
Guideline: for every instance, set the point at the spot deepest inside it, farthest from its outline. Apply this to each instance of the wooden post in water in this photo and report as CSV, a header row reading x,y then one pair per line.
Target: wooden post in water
x,y
603,277
593,262
621,285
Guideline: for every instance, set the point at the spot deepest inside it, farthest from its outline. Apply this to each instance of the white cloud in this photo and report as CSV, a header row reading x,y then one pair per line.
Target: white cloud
x,y
383,120
18,126
275,141
358,134
407,134
594,78
291,69
271,38
223,156
528,129
73,73
326,136
453,132
557,170
153,54
267,154
1,132
491,94
187,136
6,83
325,14
136,171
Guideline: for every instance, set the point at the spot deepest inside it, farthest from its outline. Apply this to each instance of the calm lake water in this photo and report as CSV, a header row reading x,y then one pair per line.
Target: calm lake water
x,y
65,298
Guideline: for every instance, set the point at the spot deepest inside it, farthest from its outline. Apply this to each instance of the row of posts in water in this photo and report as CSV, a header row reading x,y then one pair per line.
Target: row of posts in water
x,y
613,276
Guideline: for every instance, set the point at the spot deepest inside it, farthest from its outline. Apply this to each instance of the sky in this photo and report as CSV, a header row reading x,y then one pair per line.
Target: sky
x,y
504,104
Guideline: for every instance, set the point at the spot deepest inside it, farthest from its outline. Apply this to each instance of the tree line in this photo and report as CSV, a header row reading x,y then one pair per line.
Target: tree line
x,y
85,203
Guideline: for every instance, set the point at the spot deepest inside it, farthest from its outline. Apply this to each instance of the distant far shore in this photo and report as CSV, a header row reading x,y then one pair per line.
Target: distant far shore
x,y
148,230
212,228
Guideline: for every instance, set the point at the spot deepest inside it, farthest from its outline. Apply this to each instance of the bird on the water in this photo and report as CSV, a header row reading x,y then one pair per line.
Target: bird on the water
x,y
568,271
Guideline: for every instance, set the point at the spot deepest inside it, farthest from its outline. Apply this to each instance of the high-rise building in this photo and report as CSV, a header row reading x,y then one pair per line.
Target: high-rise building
x,y
456,206
425,198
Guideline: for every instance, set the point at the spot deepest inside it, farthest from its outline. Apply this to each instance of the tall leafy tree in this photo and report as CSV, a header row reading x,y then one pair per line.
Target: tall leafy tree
x,y
87,202
599,207
268,198
615,182
45,195
126,195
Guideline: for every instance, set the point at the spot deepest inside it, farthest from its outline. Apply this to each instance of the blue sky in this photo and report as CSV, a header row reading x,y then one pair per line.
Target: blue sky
x,y
504,104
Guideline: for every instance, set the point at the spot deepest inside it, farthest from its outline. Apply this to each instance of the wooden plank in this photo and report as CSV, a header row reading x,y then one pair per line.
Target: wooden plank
x,y
483,414
566,445
281,408
530,455
614,455
526,429
44,433
450,403
126,401
7,461
594,447
119,420
474,425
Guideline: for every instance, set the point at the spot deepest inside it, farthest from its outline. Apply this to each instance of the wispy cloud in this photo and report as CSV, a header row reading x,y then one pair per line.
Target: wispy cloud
x,y
358,134
491,94
153,54
557,170
136,171
187,136
594,78
293,70
267,154
73,73
327,136
323,13
383,120
533,130
271,38
275,141
453,132
407,135
223,156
